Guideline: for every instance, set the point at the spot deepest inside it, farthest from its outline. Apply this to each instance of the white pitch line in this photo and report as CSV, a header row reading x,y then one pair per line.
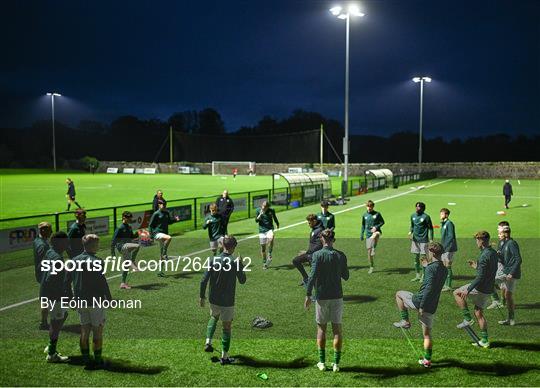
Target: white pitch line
x,y
256,235
466,181
474,196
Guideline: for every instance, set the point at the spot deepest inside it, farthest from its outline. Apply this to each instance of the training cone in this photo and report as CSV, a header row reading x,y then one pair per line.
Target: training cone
x,y
501,213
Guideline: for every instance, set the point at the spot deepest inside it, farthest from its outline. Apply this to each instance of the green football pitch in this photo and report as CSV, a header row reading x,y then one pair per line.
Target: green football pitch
x,y
161,343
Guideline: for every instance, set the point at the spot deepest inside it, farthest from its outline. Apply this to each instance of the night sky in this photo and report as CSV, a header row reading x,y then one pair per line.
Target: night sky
x,y
248,59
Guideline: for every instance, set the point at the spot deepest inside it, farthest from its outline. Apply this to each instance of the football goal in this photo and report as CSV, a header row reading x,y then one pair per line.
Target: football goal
x,y
227,168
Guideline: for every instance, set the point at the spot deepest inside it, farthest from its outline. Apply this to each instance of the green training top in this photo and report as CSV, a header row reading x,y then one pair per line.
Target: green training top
x,y
266,220
215,227
88,284
327,220
486,270
222,275
54,286
123,234
75,234
370,220
511,259
159,222
427,298
420,227
448,236
328,267
41,246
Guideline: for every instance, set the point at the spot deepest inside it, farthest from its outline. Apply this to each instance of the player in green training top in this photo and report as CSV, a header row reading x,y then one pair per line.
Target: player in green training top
x,y
425,301
159,230
420,233
222,274
265,217
123,241
76,232
41,246
213,222
511,272
372,222
449,243
499,278
480,289
326,218
328,267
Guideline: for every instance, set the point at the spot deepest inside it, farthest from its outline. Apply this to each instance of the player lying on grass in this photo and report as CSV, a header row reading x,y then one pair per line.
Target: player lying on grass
x,y
480,289
420,233
326,218
70,195
88,285
123,241
265,216
76,232
41,246
328,267
222,274
315,244
449,243
54,287
496,301
511,271
159,230
372,222
213,222
426,300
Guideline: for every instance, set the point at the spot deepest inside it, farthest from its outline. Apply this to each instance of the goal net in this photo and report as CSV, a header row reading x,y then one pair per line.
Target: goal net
x,y
227,168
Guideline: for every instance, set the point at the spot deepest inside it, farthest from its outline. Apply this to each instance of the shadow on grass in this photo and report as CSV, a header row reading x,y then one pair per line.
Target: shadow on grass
x,y
119,366
384,372
242,234
516,345
397,271
282,266
359,298
297,363
357,267
536,323
528,305
150,286
494,369
183,275
463,277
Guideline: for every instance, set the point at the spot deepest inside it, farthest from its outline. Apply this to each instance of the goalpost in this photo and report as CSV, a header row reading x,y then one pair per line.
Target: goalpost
x,y
226,168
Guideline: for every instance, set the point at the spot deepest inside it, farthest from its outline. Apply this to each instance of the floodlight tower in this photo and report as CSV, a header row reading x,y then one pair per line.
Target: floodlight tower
x,y
421,80
351,11
53,95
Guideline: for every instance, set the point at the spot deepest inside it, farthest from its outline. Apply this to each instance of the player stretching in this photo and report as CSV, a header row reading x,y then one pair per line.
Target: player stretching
x,y
326,218
54,288
159,230
123,242
479,290
70,195
426,300
75,234
41,246
87,286
512,272
449,243
315,244
500,277
421,233
328,267
222,274
212,222
372,222
265,217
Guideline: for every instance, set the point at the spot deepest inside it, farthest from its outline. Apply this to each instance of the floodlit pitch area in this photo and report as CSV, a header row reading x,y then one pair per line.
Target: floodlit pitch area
x,y
162,343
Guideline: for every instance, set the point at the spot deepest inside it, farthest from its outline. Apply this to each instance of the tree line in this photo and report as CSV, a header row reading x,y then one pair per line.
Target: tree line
x,y
133,139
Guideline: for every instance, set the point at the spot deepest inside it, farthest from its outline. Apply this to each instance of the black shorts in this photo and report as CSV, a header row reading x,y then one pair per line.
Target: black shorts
x,y
71,197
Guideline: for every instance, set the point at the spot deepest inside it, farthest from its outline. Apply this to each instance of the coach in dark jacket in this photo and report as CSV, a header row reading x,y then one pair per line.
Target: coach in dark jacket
x,y
315,244
158,197
225,208
507,192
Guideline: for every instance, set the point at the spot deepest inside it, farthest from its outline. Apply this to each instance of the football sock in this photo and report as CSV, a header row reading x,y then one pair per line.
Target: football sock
x,y
270,249
495,296
124,276
337,356
510,314
449,277
69,205
76,203
85,355
466,314
226,341
404,315
484,335
97,356
322,355
211,328
52,346
417,263
427,353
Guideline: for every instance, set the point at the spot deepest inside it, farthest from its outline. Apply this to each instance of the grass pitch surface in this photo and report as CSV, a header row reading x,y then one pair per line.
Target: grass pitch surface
x,y
161,343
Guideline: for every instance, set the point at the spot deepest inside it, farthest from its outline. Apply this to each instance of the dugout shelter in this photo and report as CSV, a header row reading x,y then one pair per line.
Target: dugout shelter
x,y
305,188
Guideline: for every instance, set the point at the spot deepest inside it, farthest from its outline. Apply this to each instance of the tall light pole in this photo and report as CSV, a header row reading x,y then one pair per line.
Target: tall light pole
x,y
421,80
340,13
53,95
